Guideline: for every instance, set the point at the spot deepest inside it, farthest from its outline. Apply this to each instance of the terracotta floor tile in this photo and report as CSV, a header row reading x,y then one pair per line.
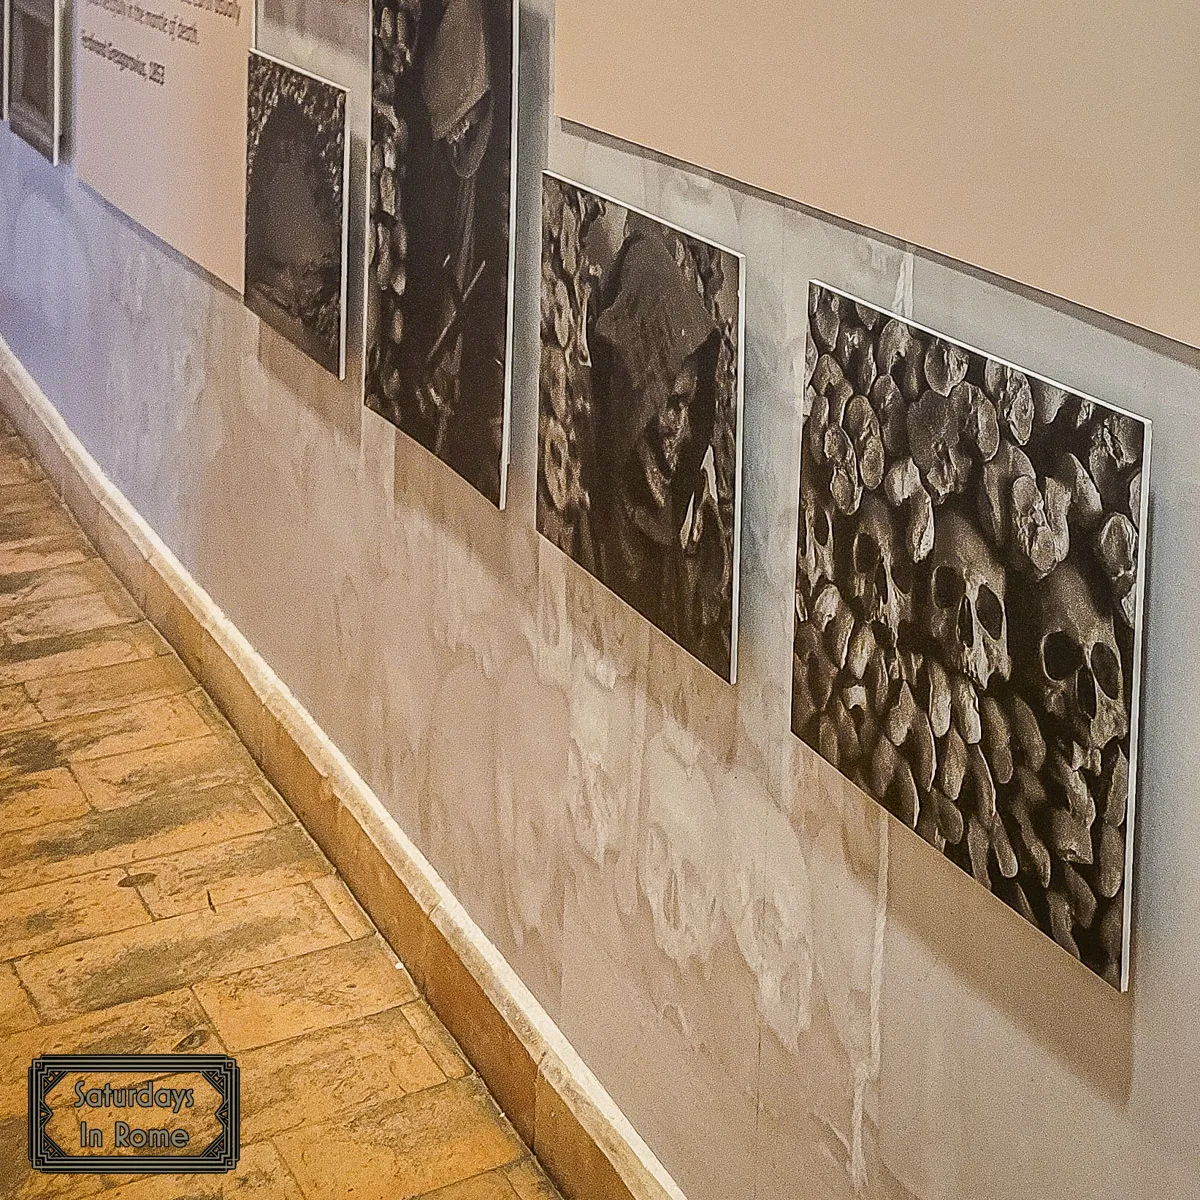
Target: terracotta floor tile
x,y
71,614
151,830
259,1175
27,497
18,1181
16,1013
172,1023
18,528
436,1039
344,906
17,710
179,951
39,799
161,772
43,554
332,1073
98,735
215,718
407,1147
37,587
110,687
17,465
41,918
279,857
492,1186
529,1181
79,651
273,802
298,995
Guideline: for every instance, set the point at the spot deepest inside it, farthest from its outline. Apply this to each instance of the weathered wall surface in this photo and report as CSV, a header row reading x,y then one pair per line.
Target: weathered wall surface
x,y
788,994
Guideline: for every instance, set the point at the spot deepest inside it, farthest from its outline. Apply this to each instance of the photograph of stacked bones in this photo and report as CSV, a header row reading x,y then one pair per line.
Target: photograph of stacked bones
x,y
439,252
968,604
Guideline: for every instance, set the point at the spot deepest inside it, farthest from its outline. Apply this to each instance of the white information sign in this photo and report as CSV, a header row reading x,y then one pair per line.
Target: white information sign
x,y
160,119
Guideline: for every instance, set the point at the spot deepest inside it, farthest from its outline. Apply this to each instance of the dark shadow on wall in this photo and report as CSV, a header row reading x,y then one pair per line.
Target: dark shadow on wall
x,y
1062,1006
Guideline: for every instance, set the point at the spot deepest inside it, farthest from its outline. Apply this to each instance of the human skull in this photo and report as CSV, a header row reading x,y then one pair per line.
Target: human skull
x,y
966,612
768,899
815,560
1078,664
680,852
532,754
882,574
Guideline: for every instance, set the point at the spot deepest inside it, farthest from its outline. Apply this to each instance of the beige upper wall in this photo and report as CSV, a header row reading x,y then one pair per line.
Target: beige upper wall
x,y
1052,142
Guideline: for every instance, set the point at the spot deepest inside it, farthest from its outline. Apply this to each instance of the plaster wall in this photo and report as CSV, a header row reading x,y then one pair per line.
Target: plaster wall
x,y
787,993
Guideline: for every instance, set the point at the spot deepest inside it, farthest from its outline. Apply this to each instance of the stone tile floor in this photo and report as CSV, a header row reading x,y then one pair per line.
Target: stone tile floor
x,y
156,895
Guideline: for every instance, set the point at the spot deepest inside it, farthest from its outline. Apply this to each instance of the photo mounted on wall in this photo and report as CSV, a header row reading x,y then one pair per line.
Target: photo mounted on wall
x,y
34,52
297,176
970,579
439,254
640,413
5,37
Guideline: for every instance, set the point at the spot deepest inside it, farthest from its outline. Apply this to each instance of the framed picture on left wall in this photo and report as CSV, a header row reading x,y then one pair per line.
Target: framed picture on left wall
x,y
297,184
5,22
439,290
640,413
34,58
971,573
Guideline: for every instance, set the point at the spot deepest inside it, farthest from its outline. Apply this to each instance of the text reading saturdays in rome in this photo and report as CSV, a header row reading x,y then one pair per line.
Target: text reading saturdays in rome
x,y
144,1096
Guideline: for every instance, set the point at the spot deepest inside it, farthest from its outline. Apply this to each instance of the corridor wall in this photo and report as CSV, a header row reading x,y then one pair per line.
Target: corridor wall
x,y
783,989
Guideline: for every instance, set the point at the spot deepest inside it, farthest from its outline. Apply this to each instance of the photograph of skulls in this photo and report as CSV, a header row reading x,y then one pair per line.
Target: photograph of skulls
x,y
640,414
970,572
297,175
439,254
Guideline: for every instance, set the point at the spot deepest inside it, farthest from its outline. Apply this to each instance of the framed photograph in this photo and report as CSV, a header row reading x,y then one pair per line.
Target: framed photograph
x,y
640,413
971,568
35,68
297,188
5,37
440,229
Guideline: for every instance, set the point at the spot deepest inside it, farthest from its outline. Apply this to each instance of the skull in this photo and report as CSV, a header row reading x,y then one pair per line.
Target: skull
x,y
966,613
1078,664
768,900
605,722
532,753
815,551
882,574
680,856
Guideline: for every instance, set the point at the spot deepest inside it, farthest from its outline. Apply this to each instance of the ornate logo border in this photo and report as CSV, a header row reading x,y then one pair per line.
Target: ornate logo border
x,y
219,1156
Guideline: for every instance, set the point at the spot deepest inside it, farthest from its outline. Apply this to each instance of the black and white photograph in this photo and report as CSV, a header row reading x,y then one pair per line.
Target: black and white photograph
x,y
640,413
34,78
5,36
970,578
297,175
440,257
